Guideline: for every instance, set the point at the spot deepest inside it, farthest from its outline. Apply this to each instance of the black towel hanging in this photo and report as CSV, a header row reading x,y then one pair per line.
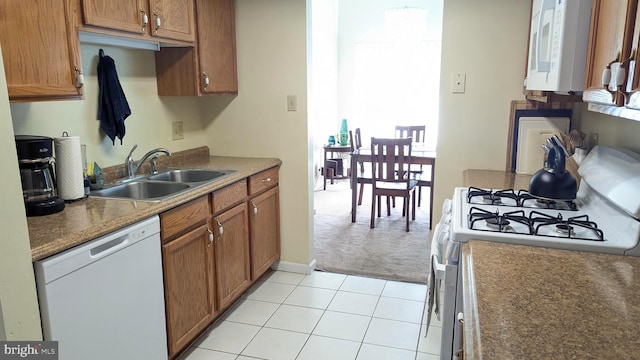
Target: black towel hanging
x,y
113,107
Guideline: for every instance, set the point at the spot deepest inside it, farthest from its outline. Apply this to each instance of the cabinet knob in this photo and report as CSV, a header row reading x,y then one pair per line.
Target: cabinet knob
x,y
255,208
266,181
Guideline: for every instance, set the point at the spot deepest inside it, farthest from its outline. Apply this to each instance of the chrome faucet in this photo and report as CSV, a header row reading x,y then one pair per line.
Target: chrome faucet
x,y
132,168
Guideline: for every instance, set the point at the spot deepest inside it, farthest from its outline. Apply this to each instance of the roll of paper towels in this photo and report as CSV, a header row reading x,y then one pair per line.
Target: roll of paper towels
x,y
68,160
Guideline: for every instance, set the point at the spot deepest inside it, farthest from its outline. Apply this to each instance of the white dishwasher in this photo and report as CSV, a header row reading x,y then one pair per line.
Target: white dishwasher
x,y
105,299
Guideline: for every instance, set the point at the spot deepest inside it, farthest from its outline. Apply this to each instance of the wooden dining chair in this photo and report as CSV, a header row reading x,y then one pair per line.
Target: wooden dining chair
x,y
417,133
387,155
363,175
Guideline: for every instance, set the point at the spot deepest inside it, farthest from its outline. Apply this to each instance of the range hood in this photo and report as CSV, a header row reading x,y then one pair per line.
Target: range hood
x,y
103,39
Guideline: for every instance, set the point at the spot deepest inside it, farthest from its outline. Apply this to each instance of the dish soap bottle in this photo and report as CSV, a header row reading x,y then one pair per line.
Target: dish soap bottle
x,y
344,133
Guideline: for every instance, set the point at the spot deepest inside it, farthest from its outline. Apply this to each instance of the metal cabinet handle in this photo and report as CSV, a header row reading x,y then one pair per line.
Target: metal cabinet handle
x,y
210,237
606,73
79,77
220,227
144,19
158,22
205,79
255,208
265,181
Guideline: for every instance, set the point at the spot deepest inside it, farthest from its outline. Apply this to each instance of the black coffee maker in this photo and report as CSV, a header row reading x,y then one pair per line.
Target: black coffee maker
x,y
35,157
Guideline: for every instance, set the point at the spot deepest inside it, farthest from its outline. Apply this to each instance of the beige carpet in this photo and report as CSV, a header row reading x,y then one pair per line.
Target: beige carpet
x,y
385,252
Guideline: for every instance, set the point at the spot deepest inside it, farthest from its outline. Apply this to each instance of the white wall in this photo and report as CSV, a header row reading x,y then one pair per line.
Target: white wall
x,y
487,40
19,314
149,125
611,130
272,63
323,76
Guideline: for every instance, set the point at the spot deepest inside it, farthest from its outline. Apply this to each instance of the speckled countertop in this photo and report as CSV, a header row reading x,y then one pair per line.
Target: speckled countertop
x,y
93,217
526,302
495,179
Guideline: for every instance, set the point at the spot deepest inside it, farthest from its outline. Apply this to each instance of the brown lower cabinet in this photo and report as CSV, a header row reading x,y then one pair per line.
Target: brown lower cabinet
x,y
213,249
231,247
264,220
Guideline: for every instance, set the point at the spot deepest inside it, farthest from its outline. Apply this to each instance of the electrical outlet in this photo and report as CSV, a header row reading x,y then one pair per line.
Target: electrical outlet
x,y
177,131
592,140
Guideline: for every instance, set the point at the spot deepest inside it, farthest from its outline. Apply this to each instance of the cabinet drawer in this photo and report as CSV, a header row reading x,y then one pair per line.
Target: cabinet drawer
x,y
263,180
229,196
182,218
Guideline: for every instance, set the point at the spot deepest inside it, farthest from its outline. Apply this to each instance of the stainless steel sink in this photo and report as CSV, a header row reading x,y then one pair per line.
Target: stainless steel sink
x,y
189,175
142,190
161,186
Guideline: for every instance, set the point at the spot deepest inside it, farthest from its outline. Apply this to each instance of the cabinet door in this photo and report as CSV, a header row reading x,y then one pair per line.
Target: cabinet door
x,y
172,19
264,228
208,68
612,23
41,50
231,254
122,15
189,286
217,46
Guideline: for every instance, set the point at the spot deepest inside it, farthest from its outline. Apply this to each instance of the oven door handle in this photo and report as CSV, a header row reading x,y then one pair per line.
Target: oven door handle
x,y
436,275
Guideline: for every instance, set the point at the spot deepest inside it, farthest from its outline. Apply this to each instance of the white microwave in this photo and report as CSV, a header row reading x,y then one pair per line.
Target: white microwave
x,y
558,40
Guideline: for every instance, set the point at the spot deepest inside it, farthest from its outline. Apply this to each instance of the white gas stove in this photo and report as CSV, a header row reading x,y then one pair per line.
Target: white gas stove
x,y
603,218
594,225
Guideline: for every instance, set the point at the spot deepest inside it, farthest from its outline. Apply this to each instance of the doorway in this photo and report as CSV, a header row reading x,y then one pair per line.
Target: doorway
x,y
376,64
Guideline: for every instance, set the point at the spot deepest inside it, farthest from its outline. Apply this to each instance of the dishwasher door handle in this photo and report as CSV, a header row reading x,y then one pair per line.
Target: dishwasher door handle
x,y
109,247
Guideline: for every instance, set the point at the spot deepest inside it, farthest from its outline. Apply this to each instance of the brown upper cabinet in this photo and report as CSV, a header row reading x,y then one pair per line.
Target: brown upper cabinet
x,y
611,45
208,68
41,50
170,21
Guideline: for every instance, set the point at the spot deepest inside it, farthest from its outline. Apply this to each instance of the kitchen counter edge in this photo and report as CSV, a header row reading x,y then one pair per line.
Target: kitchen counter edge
x,y
93,217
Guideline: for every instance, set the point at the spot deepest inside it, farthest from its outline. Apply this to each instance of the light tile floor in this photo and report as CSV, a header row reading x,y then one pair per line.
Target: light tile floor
x,y
323,316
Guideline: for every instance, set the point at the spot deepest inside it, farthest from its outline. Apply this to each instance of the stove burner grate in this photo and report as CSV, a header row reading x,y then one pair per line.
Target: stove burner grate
x,y
498,223
493,197
522,198
529,201
565,228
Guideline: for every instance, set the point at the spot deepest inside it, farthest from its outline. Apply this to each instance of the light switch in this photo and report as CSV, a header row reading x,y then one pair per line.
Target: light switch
x,y
292,103
458,82
177,131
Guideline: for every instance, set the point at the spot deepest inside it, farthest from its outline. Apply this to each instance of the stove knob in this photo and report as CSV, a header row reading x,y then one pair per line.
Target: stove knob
x,y
446,206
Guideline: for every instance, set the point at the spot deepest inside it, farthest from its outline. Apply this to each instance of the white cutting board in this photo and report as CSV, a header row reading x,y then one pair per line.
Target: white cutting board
x,y
532,133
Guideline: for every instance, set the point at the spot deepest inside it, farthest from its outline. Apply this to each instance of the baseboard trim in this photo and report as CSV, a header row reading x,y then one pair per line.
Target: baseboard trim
x,y
295,267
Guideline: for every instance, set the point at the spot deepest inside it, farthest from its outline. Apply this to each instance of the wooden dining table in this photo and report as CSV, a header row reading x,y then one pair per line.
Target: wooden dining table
x,y
419,156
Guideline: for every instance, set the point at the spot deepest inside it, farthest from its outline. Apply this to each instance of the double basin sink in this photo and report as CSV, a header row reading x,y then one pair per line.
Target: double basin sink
x,y
161,186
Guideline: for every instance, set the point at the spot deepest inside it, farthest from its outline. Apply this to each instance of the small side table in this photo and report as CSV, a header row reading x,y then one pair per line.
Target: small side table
x,y
331,149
